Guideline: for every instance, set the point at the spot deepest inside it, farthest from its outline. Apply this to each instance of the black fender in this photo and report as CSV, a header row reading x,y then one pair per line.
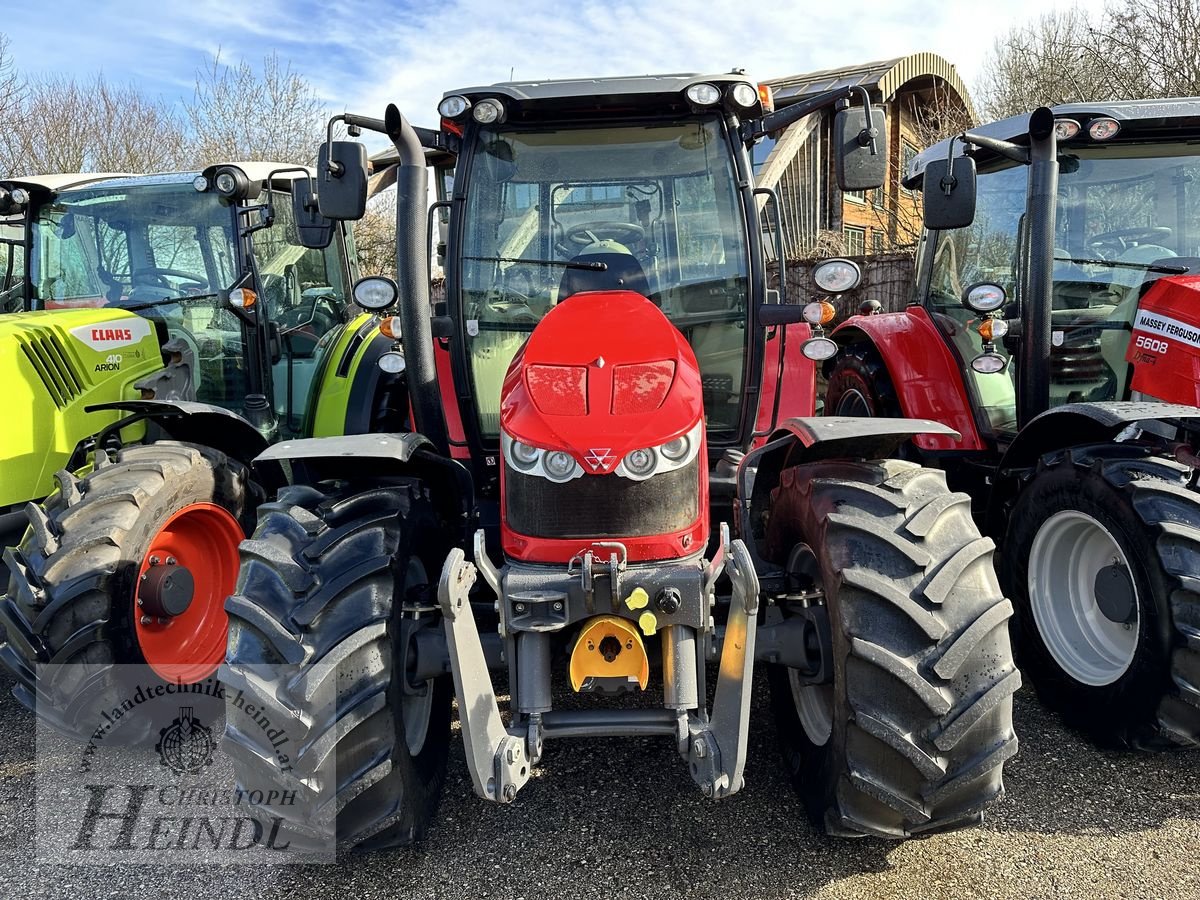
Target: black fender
x,y
192,422
374,457
810,439
1075,425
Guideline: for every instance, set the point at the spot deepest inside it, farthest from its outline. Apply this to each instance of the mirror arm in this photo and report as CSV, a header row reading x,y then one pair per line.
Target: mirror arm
x,y
781,118
354,125
867,137
1005,148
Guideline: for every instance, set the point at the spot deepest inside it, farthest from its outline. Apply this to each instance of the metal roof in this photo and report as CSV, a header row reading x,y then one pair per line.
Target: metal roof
x,y
886,76
62,181
1136,116
551,89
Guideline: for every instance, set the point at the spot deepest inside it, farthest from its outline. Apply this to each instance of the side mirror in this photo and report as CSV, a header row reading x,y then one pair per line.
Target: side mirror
x,y
857,168
314,230
949,193
342,193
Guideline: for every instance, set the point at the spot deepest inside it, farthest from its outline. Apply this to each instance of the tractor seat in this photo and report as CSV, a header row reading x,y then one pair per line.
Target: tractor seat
x,y
622,273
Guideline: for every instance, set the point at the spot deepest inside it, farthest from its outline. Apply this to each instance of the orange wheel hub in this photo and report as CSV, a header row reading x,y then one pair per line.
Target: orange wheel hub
x,y
179,601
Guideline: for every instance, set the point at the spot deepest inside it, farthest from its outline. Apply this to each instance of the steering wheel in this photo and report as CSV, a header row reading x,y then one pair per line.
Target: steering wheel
x,y
590,232
1121,238
156,273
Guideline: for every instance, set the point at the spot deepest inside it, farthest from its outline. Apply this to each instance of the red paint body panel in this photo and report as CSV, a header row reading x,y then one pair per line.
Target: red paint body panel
x,y
454,425
797,393
925,374
601,332
1165,345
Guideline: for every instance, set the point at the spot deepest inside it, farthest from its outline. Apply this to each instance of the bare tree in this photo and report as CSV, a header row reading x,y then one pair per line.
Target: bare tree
x,y
11,91
375,236
238,114
63,125
1133,49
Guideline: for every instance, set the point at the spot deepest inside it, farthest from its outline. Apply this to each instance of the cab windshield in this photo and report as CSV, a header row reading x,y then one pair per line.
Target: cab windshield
x,y
1123,215
657,205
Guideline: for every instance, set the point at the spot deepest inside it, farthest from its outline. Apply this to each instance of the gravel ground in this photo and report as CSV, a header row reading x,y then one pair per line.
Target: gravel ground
x,y
621,818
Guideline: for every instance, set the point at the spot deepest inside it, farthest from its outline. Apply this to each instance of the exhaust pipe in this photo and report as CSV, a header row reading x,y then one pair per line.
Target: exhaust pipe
x,y
412,278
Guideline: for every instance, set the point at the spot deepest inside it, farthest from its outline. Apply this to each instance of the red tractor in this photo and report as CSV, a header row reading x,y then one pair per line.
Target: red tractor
x,y
606,403
1056,327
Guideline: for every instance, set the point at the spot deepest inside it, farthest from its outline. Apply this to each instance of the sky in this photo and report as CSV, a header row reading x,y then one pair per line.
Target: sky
x,y
360,55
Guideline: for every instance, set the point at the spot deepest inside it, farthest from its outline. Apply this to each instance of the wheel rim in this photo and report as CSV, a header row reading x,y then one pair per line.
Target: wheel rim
x,y
854,403
416,709
1070,551
814,707
187,647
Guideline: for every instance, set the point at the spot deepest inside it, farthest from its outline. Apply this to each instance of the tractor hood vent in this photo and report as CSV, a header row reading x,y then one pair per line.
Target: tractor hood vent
x,y
49,358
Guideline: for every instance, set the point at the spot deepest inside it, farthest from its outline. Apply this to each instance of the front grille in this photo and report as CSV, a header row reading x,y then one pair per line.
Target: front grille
x,y
54,367
602,506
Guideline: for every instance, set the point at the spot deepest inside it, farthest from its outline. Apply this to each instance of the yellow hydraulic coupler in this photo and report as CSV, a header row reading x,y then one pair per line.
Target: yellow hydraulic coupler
x,y
609,647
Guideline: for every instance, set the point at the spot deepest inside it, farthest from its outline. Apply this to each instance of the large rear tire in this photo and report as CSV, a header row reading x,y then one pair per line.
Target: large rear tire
x,y
74,581
1103,563
314,642
913,732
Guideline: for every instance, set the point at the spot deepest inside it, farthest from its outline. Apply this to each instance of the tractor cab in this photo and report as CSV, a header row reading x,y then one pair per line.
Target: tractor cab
x,y
563,189
213,261
1124,216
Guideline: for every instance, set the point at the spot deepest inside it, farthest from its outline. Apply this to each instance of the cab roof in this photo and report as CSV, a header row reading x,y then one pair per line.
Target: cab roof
x,y
1176,118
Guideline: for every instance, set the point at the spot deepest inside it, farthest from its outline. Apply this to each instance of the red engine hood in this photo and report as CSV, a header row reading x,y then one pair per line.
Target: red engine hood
x,y
603,371
1165,345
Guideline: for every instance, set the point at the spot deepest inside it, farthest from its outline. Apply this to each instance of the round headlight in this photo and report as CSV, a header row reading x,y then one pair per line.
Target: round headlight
x,y
989,363
375,292
522,455
640,463
984,297
1065,129
19,196
677,449
703,94
744,95
392,362
837,275
559,465
1103,129
818,349
487,112
200,183
227,183
453,107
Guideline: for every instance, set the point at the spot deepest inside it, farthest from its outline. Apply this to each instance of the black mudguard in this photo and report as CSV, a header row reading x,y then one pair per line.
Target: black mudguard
x,y
193,423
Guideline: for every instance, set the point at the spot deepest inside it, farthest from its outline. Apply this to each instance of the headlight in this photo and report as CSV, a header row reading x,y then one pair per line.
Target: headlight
x,y
454,106
836,276
819,349
984,297
488,112
556,465
677,449
200,183
559,465
523,456
744,95
640,463
391,362
375,292
676,453
703,94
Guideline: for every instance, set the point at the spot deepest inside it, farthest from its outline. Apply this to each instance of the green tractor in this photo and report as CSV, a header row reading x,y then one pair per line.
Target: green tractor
x,y
172,327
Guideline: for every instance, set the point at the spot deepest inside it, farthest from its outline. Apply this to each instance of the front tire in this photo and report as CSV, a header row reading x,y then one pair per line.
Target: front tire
x,y
918,718
1103,563
314,642
71,617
